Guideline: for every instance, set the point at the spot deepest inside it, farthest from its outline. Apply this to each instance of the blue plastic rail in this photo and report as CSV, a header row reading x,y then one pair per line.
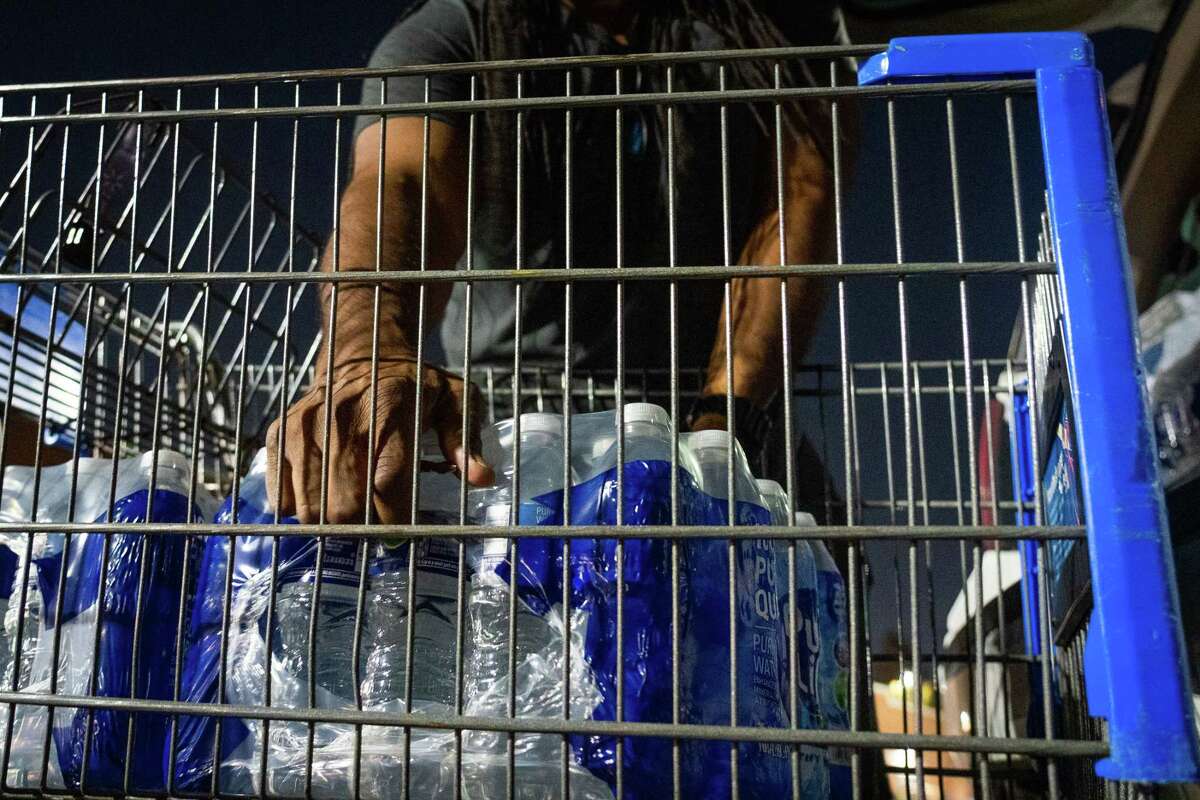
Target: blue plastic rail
x,y
1024,481
1135,664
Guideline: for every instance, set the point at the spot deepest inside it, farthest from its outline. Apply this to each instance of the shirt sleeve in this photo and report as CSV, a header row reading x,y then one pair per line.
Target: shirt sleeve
x,y
429,32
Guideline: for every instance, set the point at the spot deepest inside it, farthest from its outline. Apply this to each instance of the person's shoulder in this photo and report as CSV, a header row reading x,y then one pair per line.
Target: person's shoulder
x,y
451,11
430,32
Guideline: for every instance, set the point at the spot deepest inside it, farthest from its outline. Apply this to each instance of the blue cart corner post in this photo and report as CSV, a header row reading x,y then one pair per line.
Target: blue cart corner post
x,y
1135,663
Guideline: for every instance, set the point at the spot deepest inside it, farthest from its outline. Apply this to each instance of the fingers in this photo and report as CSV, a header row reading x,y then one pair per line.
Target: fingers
x,y
302,440
393,477
345,493
392,495
338,482
279,486
447,420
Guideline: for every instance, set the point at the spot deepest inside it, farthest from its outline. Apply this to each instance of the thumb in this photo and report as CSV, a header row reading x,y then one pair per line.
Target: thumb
x,y
447,418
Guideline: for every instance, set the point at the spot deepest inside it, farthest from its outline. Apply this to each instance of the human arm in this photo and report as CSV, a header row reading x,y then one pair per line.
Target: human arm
x,y
757,319
385,184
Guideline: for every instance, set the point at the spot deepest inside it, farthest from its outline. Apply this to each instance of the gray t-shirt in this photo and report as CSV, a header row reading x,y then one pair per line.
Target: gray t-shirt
x,y
446,31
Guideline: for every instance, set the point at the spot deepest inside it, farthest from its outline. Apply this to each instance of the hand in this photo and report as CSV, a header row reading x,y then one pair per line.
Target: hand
x,y
299,491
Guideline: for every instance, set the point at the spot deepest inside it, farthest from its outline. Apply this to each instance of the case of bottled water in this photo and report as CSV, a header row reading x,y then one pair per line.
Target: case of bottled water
x,y
645,497
540,622
99,607
380,671
232,593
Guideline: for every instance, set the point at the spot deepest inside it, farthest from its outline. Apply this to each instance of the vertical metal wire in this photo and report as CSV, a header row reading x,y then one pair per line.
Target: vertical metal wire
x,y
155,439
934,665
514,506
362,547
897,601
284,401
1005,681
960,513
372,424
853,554
619,390
567,380
980,670
239,422
468,422
673,347
211,266
906,395
905,694
731,427
785,332
182,615
1014,171
1043,561
415,474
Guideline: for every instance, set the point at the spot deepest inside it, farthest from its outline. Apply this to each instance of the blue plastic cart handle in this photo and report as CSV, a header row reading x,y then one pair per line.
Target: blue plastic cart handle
x,y
1135,663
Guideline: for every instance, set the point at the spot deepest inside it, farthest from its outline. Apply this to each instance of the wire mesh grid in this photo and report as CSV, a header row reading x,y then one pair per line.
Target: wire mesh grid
x,y
160,297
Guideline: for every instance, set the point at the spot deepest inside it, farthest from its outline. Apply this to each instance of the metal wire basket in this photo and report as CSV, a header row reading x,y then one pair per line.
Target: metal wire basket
x,y
158,296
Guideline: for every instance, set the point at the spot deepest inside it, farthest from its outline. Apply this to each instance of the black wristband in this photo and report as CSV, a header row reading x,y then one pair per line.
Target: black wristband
x,y
751,424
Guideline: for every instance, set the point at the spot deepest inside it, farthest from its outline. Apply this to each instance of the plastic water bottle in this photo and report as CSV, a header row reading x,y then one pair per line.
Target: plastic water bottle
x,y
434,620
336,609
488,613
647,470
539,454
760,639
541,469
434,614
809,644
833,664
536,579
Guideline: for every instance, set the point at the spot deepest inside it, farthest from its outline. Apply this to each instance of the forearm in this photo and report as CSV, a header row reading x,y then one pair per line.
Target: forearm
x,y
353,248
757,318
380,228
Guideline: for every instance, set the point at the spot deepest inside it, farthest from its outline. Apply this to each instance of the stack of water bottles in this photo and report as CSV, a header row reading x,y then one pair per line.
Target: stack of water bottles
x,y
352,649
322,623
105,608
627,674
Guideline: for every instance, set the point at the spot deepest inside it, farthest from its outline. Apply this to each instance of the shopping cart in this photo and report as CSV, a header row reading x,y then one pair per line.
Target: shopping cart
x,y
159,297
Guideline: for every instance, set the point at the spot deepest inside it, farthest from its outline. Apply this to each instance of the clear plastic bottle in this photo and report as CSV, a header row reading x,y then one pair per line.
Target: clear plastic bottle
x,y
488,613
810,649
711,451
541,469
539,454
776,499
434,620
337,604
647,453
764,770
833,663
